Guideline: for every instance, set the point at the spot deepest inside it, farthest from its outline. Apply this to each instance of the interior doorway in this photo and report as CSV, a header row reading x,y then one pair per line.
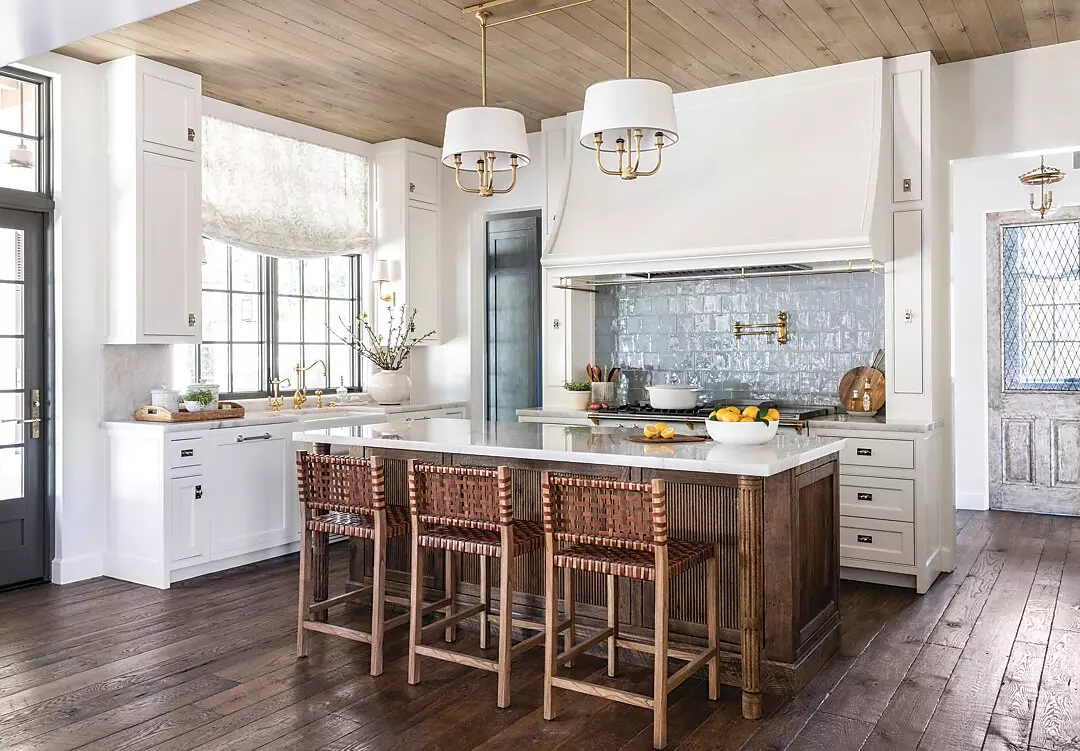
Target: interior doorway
x,y
512,302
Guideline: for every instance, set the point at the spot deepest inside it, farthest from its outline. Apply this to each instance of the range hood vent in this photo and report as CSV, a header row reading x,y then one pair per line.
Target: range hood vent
x,y
593,282
780,171
731,271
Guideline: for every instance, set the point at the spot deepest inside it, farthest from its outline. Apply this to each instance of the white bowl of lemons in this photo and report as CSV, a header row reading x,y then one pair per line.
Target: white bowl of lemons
x,y
748,426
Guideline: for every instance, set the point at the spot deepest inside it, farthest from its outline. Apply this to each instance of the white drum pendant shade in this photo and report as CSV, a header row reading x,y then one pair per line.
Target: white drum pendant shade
x,y
471,131
635,103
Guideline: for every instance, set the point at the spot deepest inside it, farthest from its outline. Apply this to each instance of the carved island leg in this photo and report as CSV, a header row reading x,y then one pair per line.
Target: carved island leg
x,y
750,588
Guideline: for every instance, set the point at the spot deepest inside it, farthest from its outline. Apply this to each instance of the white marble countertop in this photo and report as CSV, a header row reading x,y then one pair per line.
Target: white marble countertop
x,y
580,444
557,412
360,412
878,424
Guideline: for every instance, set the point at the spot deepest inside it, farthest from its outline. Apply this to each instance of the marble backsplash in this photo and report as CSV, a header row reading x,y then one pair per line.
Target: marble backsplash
x,y
681,332
131,371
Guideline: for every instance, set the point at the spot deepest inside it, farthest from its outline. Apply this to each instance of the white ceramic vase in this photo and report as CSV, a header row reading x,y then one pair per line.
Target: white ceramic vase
x,y
389,386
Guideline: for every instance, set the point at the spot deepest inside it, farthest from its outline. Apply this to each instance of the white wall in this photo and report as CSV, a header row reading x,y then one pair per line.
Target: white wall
x,y
79,250
1022,103
453,370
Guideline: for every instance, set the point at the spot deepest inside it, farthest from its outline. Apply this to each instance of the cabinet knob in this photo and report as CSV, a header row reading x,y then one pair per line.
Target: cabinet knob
x,y
907,316
412,187
191,320
555,324
191,135
865,539
907,185
198,492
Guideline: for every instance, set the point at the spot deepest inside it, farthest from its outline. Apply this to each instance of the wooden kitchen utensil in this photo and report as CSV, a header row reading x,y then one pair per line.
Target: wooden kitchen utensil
x,y
673,439
851,387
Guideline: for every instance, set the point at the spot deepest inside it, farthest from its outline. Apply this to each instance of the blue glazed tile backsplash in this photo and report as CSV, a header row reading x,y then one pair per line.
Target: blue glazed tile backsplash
x,y
681,332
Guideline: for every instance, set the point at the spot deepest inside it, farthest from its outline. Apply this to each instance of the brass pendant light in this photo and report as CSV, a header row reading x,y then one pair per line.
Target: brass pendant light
x,y
1042,176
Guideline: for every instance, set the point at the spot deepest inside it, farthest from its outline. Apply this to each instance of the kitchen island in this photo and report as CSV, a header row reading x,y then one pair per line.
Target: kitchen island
x,y
774,509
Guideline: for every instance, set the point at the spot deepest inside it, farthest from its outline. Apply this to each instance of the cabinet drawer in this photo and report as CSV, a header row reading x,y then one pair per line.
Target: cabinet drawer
x,y
877,498
879,452
186,452
877,540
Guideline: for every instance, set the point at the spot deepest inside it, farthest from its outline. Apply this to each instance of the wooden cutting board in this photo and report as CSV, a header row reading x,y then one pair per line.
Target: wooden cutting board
x,y
853,381
675,439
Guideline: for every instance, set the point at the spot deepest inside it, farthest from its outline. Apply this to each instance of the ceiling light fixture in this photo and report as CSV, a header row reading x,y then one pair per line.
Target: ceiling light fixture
x,y
628,116
491,137
1042,176
20,156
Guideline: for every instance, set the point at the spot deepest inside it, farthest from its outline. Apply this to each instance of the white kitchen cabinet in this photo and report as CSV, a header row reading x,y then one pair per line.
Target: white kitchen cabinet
x,y
252,489
189,521
907,130
407,227
155,196
907,296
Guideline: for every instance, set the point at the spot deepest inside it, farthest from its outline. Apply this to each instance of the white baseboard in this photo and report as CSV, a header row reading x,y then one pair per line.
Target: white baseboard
x,y
77,568
972,501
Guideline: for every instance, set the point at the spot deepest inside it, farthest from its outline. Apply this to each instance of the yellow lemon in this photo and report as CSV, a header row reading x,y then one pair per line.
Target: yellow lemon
x,y
747,419
660,427
727,416
772,415
712,415
667,433
750,412
651,431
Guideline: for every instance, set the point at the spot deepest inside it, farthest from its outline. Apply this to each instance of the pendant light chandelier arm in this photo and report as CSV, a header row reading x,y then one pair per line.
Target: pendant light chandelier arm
x,y
598,139
659,158
513,178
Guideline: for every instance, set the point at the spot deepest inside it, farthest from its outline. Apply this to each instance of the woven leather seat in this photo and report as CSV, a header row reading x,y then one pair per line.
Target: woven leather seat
x,y
633,563
527,536
361,525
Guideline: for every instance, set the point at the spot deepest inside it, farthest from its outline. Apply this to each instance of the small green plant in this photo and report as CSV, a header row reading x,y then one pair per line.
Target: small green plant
x,y
579,385
199,396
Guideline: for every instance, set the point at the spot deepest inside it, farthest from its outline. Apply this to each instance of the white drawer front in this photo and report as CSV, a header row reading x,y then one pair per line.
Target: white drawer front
x,y
877,498
877,540
879,452
186,452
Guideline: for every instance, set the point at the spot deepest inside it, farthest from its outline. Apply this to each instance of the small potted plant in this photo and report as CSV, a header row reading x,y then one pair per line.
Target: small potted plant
x,y
387,352
577,393
198,400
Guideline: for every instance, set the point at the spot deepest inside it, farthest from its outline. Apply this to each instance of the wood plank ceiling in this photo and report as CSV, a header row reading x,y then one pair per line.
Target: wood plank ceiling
x,y
382,69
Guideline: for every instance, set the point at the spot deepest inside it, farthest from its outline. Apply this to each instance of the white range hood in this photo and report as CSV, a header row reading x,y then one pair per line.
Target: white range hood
x,y
774,171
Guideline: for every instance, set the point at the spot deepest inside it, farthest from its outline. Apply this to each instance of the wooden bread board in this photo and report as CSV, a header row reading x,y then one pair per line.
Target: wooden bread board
x,y
227,411
853,381
674,439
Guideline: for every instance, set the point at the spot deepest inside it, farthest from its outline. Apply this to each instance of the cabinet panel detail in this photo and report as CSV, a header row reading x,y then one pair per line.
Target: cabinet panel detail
x,y
1065,453
1018,451
907,321
907,136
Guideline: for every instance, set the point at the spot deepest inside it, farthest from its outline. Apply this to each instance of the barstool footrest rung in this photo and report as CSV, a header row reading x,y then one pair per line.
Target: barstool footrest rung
x,y
605,692
460,658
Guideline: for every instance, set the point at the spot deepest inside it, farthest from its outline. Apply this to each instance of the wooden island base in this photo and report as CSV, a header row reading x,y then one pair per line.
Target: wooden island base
x,y
779,568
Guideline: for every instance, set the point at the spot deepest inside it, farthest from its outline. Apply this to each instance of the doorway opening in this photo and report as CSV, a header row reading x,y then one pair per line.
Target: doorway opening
x,y
512,311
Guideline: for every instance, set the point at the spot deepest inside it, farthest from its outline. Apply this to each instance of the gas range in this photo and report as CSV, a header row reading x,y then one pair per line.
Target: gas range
x,y
792,416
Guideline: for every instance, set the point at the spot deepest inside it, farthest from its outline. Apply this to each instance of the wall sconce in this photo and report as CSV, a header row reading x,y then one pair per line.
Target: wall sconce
x,y
384,272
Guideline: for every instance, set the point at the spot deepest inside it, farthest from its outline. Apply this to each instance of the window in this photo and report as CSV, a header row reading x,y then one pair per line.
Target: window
x,y
263,316
1041,306
23,150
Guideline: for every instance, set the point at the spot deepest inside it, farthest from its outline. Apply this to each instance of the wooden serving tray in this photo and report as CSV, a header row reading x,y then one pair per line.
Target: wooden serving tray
x,y
674,439
227,411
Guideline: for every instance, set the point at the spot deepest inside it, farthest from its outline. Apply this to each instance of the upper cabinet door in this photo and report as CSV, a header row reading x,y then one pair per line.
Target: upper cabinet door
x,y
423,177
170,113
170,233
907,136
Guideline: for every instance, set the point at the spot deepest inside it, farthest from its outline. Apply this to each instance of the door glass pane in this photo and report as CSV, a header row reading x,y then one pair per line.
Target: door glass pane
x,y
11,309
11,364
11,473
11,408
11,255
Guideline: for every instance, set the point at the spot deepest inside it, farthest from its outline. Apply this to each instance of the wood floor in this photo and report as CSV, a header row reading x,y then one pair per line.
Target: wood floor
x,y
989,658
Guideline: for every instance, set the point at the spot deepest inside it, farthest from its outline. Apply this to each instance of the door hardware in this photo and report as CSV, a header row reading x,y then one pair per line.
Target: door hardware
x,y
191,135
907,184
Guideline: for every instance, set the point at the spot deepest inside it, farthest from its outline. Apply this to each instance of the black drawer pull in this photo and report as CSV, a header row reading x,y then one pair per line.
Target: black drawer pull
x,y
187,453
864,538
864,452
198,492
866,496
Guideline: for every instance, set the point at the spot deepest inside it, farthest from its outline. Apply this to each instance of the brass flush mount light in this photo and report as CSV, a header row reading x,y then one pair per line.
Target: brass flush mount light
x,y
1042,176
628,116
492,138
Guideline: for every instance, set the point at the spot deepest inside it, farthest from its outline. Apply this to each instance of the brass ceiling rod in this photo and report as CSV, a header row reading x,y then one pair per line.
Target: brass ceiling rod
x,y
487,6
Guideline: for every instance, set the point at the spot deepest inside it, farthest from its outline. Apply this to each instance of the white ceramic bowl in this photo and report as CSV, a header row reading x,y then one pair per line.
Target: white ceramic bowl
x,y
743,433
673,396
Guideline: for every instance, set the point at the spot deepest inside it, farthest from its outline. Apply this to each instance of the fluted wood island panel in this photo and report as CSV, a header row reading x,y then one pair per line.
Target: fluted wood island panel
x,y
786,530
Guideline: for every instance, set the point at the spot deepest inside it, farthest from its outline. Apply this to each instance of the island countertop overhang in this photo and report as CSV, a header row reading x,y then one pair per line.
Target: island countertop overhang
x,y
577,444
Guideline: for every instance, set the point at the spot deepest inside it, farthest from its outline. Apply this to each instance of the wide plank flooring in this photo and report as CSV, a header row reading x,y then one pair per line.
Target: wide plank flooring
x,y
988,659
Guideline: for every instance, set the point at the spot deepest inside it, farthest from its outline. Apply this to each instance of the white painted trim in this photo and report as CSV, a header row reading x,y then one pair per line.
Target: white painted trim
x,y
281,126
77,568
201,569
972,501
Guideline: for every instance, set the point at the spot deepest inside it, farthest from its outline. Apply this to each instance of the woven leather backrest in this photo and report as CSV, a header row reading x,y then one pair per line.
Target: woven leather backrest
x,y
463,496
594,510
340,483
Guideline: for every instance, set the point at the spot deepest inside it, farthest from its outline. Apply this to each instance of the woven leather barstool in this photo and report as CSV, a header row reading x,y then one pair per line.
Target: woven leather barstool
x,y
469,510
342,495
620,529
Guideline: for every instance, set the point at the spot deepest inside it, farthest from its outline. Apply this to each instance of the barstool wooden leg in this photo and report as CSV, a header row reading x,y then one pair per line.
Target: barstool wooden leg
x,y
450,581
569,595
485,600
551,639
506,624
660,627
320,569
416,606
378,604
305,591
613,623
712,620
